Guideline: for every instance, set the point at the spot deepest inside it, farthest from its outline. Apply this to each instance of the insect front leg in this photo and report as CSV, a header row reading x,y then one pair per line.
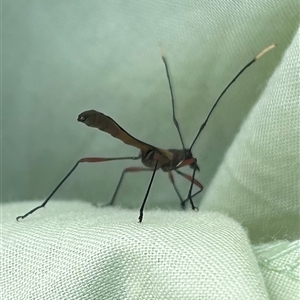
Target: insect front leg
x,y
191,161
193,181
171,177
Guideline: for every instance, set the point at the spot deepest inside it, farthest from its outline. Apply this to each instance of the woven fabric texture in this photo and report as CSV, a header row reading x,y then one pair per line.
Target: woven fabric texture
x,y
62,57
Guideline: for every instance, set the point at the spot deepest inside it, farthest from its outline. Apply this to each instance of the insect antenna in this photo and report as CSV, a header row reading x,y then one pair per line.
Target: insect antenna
x,y
258,56
172,98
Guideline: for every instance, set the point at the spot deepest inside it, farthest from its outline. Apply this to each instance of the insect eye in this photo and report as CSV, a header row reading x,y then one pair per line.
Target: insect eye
x,y
81,119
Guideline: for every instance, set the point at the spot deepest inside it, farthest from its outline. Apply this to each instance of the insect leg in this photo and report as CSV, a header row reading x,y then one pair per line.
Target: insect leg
x,y
193,182
171,177
190,191
195,194
82,160
147,193
130,169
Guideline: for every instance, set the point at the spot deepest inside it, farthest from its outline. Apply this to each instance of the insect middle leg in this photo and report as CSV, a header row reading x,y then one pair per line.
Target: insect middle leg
x,y
127,170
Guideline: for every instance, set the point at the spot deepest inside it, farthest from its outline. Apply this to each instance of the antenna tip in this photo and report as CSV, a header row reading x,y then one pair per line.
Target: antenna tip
x,y
258,56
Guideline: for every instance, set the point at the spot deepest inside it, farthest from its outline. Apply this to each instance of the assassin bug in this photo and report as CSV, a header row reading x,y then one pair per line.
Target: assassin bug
x,y
153,158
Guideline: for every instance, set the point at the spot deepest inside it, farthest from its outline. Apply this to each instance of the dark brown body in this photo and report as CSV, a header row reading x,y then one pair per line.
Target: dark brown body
x,y
167,160
150,158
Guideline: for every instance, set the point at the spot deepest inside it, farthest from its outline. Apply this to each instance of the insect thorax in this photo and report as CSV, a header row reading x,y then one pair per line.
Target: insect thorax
x,y
150,157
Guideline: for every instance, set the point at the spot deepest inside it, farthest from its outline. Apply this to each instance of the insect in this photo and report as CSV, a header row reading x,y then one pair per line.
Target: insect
x,y
152,158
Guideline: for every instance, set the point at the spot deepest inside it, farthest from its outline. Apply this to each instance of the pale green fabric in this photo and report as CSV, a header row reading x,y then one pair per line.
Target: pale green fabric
x,y
62,57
